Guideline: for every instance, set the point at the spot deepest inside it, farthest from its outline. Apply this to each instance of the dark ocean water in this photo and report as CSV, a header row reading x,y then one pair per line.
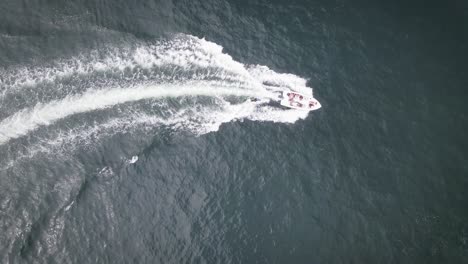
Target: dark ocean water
x,y
378,175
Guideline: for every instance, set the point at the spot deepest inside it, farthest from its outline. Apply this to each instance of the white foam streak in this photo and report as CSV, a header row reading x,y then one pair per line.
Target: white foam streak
x,y
27,120
183,51
182,66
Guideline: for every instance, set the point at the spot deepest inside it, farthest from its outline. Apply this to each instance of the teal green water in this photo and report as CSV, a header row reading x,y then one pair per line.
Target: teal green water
x,y
377,175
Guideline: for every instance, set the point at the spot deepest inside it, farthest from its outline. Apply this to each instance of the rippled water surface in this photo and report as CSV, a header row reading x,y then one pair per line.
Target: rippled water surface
x,y
145,132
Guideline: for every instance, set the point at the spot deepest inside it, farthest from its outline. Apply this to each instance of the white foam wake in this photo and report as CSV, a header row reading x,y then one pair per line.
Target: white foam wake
x,y
27,120
180,67
186,52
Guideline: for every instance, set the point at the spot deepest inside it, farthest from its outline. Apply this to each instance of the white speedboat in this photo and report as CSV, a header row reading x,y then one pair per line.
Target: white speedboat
x,y
300,101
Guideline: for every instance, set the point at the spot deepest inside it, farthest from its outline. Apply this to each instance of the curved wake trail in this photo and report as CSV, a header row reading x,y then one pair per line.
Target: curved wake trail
x,y
106,104
34,97
28,120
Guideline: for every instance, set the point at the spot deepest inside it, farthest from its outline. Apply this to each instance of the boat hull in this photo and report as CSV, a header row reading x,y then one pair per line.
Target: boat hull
x,y
299,101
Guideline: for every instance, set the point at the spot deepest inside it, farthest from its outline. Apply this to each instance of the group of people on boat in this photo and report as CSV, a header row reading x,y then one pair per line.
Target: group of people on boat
x,y
292,96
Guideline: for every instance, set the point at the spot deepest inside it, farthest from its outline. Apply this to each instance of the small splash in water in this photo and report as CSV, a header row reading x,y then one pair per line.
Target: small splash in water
x,y
133,160
69,206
